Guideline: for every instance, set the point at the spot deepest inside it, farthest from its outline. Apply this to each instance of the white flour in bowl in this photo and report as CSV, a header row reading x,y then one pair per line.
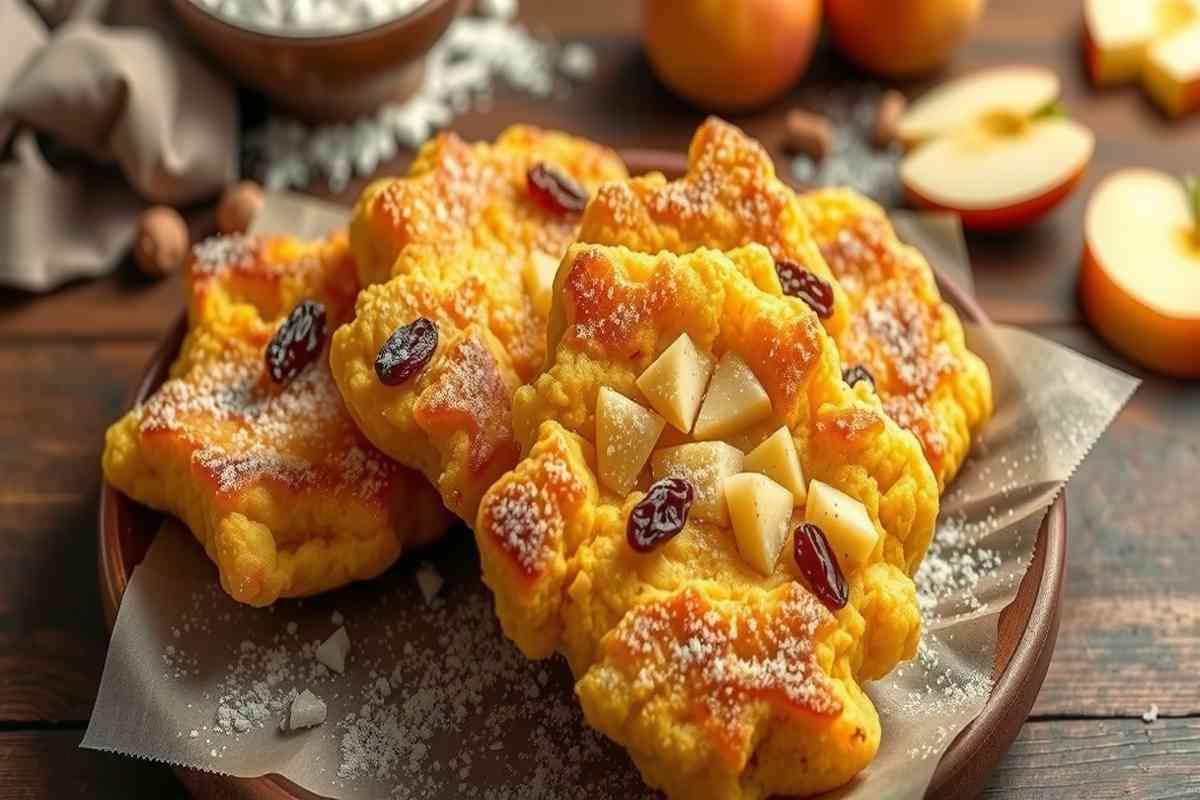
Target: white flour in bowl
x,y
310,16
461,71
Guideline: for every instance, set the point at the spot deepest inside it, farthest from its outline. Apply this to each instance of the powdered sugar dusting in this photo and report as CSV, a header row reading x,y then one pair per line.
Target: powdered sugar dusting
x,y
524,512
245,429
725,659
435,704
221,253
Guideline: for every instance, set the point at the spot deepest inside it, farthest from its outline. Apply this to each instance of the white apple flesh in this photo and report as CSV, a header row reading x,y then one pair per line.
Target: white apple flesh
x,y
983,150
1139,283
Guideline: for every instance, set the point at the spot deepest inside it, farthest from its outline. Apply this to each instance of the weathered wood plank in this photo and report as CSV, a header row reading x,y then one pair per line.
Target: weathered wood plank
x,y
58,399
1130,632
1101,760
49,764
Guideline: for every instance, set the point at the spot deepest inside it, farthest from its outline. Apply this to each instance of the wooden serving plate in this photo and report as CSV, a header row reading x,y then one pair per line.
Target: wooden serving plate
x,y
1026,633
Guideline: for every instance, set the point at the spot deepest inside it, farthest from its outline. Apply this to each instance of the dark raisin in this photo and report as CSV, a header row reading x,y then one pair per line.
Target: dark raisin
x,y
554,191
297,342
406,351
813,290
660,515
819,567
858,373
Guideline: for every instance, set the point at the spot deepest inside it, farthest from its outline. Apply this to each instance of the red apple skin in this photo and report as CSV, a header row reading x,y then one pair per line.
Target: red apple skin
x,y
1006,218
900,38
1091,58
1169,345
730,56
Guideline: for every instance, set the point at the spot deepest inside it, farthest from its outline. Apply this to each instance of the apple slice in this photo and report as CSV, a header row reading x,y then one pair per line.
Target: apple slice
x,y
735,400
540,270
1117,35
1020,90
760,510
984,149
1157,41
625,435
674,384
776,458
844,521
705,465
1139,283
1172,72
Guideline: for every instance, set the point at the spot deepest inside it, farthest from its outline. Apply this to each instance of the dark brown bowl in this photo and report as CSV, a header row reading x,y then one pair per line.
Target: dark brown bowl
x,y
1026,632
323,77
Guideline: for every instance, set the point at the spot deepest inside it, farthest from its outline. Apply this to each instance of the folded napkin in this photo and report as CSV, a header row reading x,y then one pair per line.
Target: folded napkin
x,y
103,109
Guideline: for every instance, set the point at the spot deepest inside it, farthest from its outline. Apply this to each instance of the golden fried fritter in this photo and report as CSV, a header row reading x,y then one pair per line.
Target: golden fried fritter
x,y
900,330
274,480
720,681
460,241
728,198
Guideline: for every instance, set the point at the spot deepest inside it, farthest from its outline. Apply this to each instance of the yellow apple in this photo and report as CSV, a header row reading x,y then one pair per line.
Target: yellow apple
x,y
1139,283
900,38
983,147
730,56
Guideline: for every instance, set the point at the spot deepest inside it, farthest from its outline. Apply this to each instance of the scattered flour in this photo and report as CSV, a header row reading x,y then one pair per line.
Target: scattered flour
x,y
853,161
475,54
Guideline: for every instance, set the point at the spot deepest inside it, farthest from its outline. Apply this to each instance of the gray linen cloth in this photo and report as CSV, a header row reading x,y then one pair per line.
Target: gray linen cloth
x,y
104,108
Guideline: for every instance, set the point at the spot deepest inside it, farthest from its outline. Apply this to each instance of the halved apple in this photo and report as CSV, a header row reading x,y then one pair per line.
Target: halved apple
x,y
1139,283
983,147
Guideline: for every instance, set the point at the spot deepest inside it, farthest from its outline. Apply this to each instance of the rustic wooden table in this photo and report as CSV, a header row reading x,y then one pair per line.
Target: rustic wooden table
x,y
1130,633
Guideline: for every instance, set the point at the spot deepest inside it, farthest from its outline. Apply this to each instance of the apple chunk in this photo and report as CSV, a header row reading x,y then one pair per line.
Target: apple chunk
x,y
1156,41
674,384
540,271
1118,35
760,510
844,521
776,458
625,436
705,465
1139,283
735,400
985,152
1172,72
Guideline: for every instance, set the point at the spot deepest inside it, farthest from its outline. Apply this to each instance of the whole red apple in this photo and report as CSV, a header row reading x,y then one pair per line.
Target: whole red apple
x,y
728,55
900,38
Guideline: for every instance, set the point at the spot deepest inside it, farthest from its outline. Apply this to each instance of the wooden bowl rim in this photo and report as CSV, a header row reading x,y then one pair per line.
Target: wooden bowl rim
x,y
271,38
1014,690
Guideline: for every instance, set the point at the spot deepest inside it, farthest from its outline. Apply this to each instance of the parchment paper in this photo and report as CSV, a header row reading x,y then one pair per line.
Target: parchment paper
x,y
436,703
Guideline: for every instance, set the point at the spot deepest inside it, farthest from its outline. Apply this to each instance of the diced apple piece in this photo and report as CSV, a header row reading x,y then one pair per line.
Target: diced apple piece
x,y
706,465
844,521
761,511
674,384
1139,283
735,400
625,436
777,458
1118,35
540,271
1172,72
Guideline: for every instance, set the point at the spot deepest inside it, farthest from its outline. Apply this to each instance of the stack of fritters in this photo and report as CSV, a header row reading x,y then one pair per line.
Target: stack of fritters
x,y
274,479
521,302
